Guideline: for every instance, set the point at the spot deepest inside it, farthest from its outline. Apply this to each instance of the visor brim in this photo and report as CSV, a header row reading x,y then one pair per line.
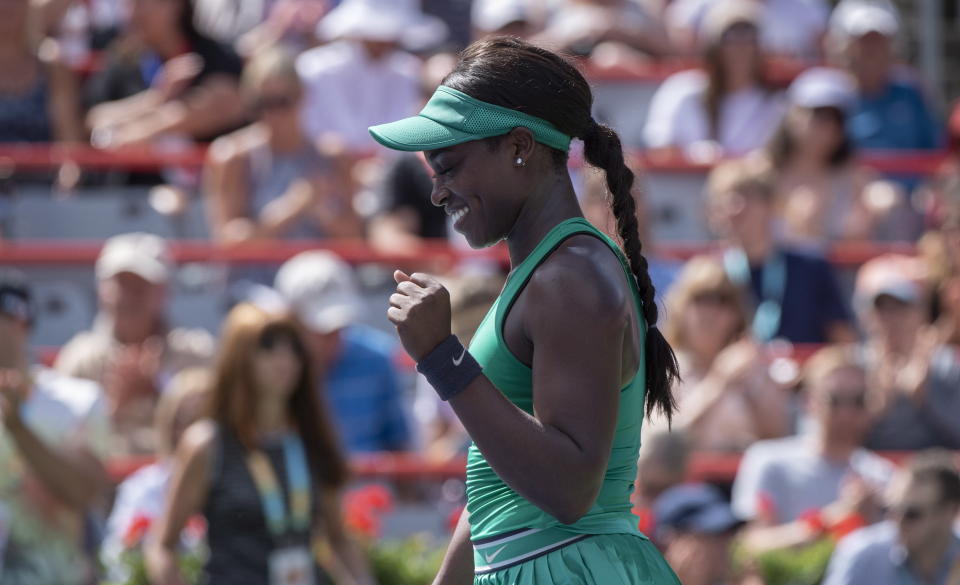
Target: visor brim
x,y
418,133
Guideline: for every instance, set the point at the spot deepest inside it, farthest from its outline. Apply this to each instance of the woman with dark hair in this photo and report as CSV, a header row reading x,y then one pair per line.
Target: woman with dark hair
x,y
165,78
264,469
823,195
726,108
552,391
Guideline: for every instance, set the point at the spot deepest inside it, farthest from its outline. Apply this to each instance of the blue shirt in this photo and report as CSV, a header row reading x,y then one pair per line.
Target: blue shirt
x,y
364,395
873,555
898,118
812,300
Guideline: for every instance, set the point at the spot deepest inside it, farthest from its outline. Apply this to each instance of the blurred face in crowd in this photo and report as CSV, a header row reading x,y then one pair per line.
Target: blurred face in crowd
x,y
709,322
276,366
155,20
869,58
818,131
324,348
134,304
277,103
700,558
377,50
839,403
923,518
893,322
742,215
739,52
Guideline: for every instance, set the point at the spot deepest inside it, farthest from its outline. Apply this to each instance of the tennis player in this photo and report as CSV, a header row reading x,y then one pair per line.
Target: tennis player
x,y
552,390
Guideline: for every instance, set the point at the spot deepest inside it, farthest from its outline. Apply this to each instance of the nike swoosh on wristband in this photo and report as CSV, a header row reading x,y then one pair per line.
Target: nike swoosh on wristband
x,y
494,554
458,360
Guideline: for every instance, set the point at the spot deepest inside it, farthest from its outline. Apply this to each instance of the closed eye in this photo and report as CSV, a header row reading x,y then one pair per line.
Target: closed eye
x,y
443,172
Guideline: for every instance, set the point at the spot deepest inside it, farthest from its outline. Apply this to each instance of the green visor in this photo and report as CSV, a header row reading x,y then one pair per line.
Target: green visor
x,y
452,117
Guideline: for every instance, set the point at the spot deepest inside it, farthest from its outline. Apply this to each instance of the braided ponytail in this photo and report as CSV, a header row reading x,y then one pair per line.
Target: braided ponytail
x,y
603,150
514,74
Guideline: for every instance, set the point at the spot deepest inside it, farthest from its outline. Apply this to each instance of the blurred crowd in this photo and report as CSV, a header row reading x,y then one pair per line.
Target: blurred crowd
x,y
224,425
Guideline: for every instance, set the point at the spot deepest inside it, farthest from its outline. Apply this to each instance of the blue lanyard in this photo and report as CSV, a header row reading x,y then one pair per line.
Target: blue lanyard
x,y
150,66
773,285
271,493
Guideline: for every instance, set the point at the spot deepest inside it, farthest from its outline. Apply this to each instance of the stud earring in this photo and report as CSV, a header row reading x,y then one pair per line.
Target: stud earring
x,y
519,162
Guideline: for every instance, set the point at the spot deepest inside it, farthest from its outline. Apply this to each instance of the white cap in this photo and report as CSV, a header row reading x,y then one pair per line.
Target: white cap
x,y
399,21
492,15
320,289
858,18
143,254
892,275
820,87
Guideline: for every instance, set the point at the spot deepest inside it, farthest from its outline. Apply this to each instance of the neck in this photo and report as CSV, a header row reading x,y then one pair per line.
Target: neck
x,y
927,561
758,248
542,211
170,46
871,84
834,450
285,140
271,416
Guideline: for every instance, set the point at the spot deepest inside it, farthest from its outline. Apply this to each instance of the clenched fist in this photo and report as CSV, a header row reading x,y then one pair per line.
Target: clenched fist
x,y
420,309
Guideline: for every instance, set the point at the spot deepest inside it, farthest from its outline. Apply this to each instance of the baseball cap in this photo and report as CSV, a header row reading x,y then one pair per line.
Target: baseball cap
x,y
452,117
143,254
722,16
858,18
493,15
820,87
320,289
893,275
15,296
699,508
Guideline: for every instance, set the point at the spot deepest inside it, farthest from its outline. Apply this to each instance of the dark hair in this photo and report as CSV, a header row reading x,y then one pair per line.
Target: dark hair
x,y
783,145
937,465
515,74
717,88
233,399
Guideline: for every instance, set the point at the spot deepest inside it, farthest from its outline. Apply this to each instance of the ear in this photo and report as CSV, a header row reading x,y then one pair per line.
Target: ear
x,y
520,144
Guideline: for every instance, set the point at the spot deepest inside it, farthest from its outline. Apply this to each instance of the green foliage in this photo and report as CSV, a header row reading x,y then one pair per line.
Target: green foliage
x,y
411,561
796,566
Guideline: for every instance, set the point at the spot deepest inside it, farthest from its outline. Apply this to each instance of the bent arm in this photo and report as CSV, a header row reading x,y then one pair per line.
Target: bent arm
x,y
351,566
575,317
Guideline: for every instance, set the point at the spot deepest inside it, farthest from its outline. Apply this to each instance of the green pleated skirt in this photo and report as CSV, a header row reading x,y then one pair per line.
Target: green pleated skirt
x,y
603,559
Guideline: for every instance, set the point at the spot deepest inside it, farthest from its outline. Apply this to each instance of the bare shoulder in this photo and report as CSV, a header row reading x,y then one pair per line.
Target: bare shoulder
x,y
196,444
582,275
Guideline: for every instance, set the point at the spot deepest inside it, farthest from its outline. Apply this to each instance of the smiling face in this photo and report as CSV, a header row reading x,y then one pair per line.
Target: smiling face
x,y
472,182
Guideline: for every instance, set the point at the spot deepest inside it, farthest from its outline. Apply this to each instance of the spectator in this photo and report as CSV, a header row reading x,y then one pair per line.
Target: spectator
x,y
164,79
914,389
53,434
587,27
823,194
796,490
363,77
131,350
726,399
39,100
268,180
921,544
792,28
142,496
663,464
263,416
796,294
360,382
696,527
727,108
892,112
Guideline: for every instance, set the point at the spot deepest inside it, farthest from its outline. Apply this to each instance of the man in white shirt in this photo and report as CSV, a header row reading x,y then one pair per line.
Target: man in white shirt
x,y
53,433
364,77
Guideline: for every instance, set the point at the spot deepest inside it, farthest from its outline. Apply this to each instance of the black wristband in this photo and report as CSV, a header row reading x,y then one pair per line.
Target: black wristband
x,y
449,368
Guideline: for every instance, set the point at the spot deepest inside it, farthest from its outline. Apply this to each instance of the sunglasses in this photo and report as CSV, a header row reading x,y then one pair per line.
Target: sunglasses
x,y
858,401
914,512
274,103
713,298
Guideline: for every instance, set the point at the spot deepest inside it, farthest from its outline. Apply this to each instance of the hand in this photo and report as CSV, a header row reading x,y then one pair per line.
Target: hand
x,y
14,385
420,309
737,361
177,74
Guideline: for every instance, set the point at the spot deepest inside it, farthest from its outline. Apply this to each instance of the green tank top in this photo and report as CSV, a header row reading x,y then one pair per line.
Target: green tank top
x,y
493,506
